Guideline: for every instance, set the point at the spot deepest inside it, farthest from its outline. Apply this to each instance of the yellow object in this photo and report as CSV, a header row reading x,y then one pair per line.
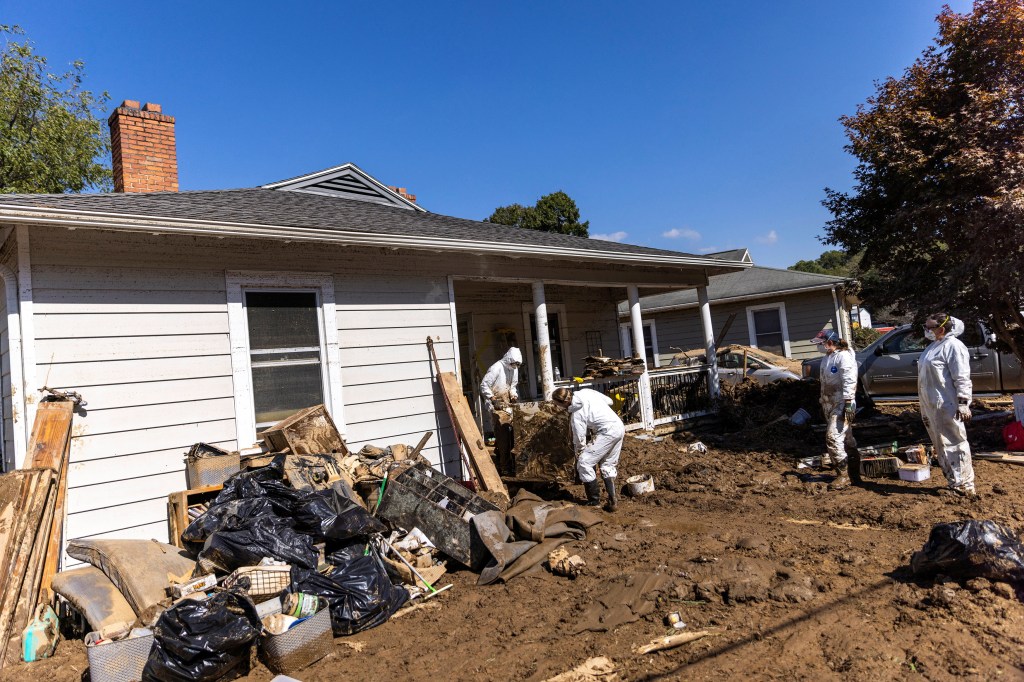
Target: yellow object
x,y
578,380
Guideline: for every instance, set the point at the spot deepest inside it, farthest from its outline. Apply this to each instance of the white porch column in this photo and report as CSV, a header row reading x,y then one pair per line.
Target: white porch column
x,y
646,405
540,311
709,338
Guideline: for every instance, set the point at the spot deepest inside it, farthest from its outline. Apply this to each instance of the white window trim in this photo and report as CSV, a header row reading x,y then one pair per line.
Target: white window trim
x,y
626,339
236,283
751,331
563,332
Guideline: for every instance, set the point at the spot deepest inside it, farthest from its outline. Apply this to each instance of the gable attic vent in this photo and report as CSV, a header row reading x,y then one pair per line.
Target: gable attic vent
x,y
348,182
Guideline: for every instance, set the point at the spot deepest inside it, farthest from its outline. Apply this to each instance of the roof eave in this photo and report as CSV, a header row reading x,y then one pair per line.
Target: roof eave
x,y
738,299
164,225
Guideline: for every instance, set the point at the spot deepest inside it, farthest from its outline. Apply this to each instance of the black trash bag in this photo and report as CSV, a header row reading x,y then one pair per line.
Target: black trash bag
x,y
203,641
263,483
971,549
218,516
245,541
359,592
329,515
341,552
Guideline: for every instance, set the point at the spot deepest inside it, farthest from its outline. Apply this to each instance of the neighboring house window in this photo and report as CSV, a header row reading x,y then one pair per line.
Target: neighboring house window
x,y
650,341
284,348
768,328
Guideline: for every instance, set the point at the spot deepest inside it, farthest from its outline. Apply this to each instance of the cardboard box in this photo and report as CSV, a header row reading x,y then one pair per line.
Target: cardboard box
x,y
915,472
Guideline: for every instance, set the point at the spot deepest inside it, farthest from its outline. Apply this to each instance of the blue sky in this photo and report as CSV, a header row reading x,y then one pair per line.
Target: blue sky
x,y
693,126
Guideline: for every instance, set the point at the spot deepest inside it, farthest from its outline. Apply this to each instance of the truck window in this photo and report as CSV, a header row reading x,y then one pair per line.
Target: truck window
x,y
971,336
910,341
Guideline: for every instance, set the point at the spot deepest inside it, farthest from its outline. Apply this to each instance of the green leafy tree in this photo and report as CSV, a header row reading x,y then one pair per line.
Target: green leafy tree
x,y
834,262
555,212
938,200
52,135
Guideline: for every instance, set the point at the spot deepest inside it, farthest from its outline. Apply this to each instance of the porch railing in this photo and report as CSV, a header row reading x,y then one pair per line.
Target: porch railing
x,y
679,393
624,392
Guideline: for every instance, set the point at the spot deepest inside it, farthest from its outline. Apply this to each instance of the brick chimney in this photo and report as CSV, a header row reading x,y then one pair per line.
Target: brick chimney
x,y
402,191
142,147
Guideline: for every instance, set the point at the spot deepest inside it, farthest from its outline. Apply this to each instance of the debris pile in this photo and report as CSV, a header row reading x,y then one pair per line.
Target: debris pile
x,y
748,404
596,367
280,549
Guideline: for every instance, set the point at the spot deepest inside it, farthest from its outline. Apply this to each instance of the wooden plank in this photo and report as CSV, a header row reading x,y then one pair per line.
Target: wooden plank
x,y
308,431
465,424
54,544
1003,457
50,434
99,325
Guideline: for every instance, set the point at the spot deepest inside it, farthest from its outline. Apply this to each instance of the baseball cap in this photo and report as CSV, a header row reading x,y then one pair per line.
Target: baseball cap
x,y
825,335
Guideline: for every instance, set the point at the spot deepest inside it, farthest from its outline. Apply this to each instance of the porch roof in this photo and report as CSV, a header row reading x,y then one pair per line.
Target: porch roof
x,y
299,216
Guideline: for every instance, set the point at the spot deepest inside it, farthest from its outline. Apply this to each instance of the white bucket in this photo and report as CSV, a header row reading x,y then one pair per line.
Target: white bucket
x,y
639,485
800,417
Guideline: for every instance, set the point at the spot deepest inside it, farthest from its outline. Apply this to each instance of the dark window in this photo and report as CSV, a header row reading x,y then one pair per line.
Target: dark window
x,y
284,353
972,335
768,330
910,341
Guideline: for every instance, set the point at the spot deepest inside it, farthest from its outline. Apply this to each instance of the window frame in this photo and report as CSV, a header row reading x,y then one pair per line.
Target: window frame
x,y
783,323
626,340
322,284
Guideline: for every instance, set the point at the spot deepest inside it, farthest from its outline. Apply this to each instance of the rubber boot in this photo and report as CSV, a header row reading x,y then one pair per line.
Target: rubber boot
x,y
593,489
613,500
842,479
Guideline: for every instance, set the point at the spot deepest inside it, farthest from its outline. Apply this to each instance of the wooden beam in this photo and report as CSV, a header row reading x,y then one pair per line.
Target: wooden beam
x,y
466,427
51,434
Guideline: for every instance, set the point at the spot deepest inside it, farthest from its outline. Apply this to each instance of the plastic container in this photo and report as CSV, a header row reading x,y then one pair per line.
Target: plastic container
x,y
800,417
915,472
300,647
639,485
39,640
120,661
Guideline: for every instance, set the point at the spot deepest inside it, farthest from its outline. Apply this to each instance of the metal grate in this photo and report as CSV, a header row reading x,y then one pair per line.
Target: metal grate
x,y
681,393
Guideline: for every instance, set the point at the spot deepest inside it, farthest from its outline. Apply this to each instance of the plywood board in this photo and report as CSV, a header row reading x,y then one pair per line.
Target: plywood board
x,y
465,424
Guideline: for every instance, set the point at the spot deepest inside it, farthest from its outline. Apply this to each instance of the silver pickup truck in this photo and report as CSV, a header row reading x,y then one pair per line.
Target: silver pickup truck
x,y
888,367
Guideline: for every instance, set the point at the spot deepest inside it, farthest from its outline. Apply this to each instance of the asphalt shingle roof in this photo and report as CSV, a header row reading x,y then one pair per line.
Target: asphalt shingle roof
x,y
744,283
277,208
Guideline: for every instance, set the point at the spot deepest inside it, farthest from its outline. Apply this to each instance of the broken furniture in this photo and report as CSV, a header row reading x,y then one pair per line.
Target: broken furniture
x,y
424,498
207,465
543,451
185,506
307,432
596,367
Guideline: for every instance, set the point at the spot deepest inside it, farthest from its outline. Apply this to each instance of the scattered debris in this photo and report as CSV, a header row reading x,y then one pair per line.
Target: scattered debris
x,y
596,366
563,564
597,669
697,446
672,641
675,620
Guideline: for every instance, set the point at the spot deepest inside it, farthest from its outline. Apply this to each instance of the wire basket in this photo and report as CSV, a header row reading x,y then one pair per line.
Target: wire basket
x,y
264,582
120,661
303,645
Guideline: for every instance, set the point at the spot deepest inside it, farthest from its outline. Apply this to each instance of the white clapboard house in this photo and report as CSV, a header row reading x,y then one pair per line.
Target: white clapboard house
x,y
204,315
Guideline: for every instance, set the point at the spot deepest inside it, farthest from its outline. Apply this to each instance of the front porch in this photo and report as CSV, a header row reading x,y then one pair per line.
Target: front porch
x,y
577,319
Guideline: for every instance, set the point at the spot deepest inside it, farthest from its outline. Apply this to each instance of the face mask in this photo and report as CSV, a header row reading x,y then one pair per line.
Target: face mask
x,y
929,334
822,349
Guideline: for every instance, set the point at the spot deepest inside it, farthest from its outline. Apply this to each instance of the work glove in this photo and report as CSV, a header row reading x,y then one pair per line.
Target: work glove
x,y
963,413
850,411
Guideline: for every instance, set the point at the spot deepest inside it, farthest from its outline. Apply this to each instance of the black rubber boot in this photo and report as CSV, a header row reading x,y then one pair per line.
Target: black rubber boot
x,y
593,493
613,500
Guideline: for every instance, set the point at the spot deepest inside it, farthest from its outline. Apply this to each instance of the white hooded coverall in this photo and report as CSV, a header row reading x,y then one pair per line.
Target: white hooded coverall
x,y
838,378
944,377
502,380
593,410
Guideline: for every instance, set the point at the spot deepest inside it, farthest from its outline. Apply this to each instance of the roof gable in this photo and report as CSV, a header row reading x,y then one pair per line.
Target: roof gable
x,y
347,181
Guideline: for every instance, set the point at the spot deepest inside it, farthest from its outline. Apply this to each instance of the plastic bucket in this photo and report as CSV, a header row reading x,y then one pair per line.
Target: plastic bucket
x,y
799,417
639,485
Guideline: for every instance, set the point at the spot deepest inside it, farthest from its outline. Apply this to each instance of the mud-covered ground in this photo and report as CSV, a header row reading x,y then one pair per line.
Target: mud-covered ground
x,y
795,581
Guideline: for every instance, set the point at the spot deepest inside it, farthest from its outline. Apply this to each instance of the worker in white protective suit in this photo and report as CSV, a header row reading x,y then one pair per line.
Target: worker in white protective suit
x,y
499,389
838,377
945,391
592,411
